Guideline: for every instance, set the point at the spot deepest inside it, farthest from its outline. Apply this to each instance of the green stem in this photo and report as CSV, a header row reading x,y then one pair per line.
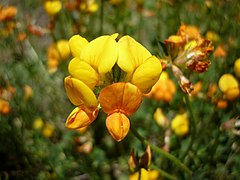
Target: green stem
x,y
192,127
101,17
160,151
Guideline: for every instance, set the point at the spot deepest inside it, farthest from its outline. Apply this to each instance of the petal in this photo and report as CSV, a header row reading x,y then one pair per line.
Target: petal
x,y
118,126
147,74
84,72
131,54
80,118
101,53
226,82
120,97
77,43
79,93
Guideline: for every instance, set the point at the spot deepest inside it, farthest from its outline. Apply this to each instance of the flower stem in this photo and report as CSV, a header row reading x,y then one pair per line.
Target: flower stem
x,y
160,151
192,127
101,17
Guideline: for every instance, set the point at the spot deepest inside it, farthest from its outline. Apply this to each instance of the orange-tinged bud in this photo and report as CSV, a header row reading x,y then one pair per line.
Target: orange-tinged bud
x,y
4,107
81,117
221,104
118,125
122,97
8,13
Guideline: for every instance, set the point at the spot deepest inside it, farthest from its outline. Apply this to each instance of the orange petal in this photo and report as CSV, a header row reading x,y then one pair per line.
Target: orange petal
x,y
118,125
81,117
122,97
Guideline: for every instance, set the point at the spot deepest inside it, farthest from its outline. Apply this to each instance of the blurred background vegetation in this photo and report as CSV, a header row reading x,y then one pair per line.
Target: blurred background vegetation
x,y
34,143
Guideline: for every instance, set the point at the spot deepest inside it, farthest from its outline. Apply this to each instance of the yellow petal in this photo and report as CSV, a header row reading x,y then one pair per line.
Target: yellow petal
x,y
120,97
147,74
63,48
118,125
227,81
180,124
131,54
236,67
101,53
79,93
80,118
84,72
77,43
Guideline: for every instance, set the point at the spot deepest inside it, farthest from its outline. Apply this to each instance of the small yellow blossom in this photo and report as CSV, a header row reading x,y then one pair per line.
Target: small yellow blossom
x,y
180,124
160,118
38,123
236,68
48,130
89,6
28,92
212,36
228,84
52,7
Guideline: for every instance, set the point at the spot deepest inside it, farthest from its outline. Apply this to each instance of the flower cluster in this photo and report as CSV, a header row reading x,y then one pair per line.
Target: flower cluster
x,y
188,50
109,74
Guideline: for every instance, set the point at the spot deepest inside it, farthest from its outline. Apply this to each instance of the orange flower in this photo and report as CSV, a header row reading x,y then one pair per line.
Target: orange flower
x,y
220,52
4,107
8,13
119,100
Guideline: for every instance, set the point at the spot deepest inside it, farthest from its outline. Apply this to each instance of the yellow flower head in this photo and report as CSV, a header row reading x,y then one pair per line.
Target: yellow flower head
x,y
52,7
95,72
180,124
228,84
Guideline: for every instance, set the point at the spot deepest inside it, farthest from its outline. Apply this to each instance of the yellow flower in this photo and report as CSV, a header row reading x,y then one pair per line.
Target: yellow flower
x,y
236,67
57,52
48,130
145,175
89,6
63,48
52,7
180,124
85,100
164,89
142,68
92,60
119,100
228,84
38,123
160,118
